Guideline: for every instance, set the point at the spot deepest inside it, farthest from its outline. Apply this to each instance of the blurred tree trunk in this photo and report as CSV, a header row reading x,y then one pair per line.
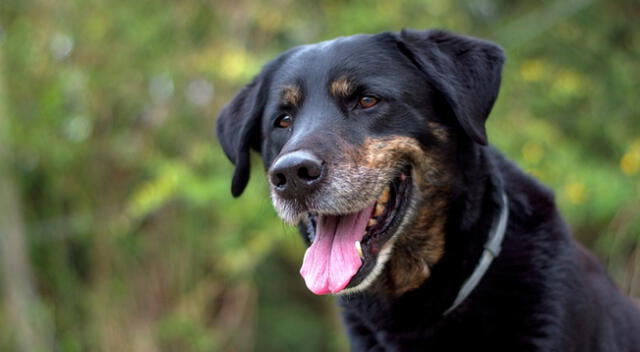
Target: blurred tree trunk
x,y
26,313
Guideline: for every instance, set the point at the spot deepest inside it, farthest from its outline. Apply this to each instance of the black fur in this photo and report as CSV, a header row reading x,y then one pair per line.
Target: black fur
x,y
543,293
465,70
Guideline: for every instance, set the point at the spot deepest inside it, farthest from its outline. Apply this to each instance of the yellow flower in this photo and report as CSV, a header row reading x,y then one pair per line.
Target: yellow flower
x,y
234,63
576,192
532,70
568,83
532,152
630,162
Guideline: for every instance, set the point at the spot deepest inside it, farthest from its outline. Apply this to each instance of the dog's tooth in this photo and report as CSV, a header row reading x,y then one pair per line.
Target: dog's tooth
x,y
372,222
379,209
384,197
359,249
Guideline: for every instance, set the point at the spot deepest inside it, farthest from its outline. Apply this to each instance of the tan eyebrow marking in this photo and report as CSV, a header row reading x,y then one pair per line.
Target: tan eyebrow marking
x,y
438,131
342,86
291,95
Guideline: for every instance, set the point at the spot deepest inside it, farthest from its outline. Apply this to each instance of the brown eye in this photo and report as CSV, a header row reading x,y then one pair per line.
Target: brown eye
x,y
283,121
367,101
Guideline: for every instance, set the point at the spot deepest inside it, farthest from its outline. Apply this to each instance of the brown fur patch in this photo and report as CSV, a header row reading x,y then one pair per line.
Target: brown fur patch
x,y
291,95
342,87
439,131
421,245
385,155
416,251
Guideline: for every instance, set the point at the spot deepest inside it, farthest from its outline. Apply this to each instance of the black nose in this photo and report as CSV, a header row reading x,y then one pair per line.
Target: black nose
x,y
296,174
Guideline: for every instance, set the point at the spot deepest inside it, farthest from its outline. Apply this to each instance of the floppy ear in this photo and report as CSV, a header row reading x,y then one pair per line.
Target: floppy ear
x,y
238,130
465,70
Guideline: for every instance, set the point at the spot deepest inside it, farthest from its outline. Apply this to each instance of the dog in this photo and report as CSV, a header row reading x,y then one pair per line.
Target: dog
x,y
375,147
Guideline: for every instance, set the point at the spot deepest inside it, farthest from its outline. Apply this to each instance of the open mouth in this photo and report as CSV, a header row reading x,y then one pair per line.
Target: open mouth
x,y
345,248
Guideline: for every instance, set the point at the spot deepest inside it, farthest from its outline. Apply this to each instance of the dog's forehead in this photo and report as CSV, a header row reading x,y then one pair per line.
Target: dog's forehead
x,y
360,54
334,47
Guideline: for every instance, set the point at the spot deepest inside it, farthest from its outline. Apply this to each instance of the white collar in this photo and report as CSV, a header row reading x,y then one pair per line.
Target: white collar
x,y
491,251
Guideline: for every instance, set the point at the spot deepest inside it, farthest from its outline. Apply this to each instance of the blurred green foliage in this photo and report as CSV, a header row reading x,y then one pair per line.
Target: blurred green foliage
x,y
133,238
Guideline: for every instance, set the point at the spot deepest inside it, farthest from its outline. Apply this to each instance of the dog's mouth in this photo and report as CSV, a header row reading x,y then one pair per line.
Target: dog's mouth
x,y
345,248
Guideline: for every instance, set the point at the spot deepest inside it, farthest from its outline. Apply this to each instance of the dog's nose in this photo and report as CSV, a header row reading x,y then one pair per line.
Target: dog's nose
x,y
296,174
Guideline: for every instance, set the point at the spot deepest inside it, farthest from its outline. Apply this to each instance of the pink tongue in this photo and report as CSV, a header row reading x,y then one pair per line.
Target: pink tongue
x,y
332,260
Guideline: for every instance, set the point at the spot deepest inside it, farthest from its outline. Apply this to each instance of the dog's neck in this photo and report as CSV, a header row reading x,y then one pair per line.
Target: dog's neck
x,y
492,249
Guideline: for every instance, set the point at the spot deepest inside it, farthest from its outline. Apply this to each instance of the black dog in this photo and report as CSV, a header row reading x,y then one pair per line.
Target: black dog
x,y
376,148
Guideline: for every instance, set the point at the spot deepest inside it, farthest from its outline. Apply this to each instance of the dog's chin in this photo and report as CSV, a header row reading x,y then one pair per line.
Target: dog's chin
x,y
392,209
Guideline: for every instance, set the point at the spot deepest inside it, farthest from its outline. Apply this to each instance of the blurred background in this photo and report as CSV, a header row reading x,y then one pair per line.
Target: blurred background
x,y
117,228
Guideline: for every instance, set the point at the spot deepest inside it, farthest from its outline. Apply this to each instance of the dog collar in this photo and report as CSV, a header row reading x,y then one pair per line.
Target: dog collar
x,y
491,250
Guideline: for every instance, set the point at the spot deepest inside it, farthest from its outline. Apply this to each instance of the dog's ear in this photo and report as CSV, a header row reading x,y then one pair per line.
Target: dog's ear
x,y
465,70
238,129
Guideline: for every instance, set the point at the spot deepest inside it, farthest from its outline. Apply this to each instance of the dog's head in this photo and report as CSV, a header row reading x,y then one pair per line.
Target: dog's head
x,y
362,138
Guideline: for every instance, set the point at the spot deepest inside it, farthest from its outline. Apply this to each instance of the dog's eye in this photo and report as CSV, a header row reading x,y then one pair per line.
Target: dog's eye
x,y
367,101
283,121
